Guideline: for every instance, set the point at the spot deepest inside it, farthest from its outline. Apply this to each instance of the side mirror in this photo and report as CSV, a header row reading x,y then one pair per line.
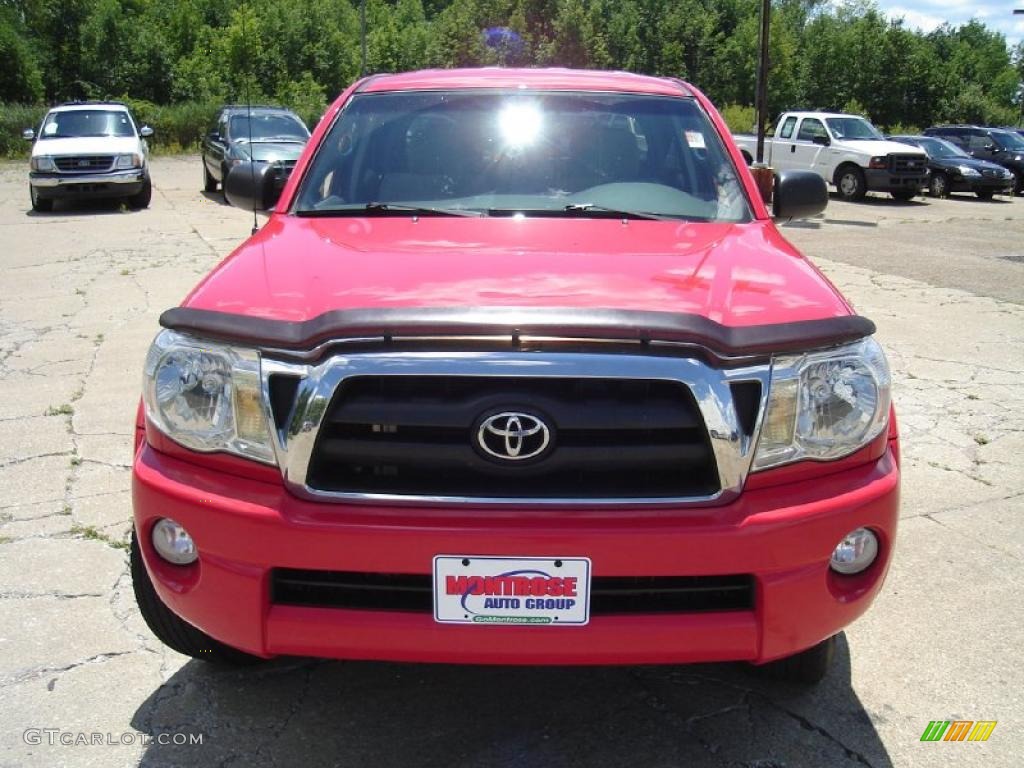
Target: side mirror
x,y
799,195
821,140
213,136
145,132
28,134
252,186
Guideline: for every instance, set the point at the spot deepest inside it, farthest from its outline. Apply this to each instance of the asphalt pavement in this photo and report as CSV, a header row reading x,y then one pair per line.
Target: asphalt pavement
x,y
84,683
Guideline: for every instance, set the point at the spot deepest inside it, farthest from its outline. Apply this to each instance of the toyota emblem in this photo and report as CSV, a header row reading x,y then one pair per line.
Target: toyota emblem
x,y
513,436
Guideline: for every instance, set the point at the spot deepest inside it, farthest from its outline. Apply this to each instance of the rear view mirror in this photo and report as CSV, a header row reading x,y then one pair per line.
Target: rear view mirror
x,y
799,195
252,186
145,132
28,134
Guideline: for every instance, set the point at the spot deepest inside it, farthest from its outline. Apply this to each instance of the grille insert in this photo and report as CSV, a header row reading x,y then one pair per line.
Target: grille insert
x,y
911,164
84,163
416,436
609,596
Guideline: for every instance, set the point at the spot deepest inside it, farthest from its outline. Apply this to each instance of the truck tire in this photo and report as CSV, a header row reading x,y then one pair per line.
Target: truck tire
x,y
746,156
40,204
850,183
904,195
805,668
985,194
939,185
141,200
209,183
172,631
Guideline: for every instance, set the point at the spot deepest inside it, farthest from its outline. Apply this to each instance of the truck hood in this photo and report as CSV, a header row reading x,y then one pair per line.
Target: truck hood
x,y
86,145
884,147
735,274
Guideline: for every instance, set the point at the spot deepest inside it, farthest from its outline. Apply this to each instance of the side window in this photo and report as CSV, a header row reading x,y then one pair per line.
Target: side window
x,y
810,128
787,127
978,141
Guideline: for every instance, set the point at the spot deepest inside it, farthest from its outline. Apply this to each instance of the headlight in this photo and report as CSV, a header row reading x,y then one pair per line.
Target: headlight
x,y
966,170
207,397
128,161
42,163
824,405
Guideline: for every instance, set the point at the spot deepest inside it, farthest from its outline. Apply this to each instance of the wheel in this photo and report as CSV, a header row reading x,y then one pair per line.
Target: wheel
x,y
851,184
209,183
172,631
984,194
939,185
41,204
1018,184
223,179
142,198
807,667
747,157
904,195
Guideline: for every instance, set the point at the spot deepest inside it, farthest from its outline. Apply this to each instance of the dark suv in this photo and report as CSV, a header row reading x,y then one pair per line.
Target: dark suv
x,y
272,135
997,145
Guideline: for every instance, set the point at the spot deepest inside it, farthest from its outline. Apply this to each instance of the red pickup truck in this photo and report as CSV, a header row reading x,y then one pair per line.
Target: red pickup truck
x,y
518,371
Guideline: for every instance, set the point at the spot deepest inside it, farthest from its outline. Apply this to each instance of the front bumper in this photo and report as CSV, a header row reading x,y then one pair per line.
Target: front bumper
x,y
881,180
782,535
966,184
49,186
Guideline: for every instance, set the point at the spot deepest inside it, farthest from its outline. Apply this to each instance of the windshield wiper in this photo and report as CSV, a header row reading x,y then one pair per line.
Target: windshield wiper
x,y
584,208
386,208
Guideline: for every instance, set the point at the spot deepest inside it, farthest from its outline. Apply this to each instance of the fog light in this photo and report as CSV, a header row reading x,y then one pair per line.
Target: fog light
x,y
855,552
173,543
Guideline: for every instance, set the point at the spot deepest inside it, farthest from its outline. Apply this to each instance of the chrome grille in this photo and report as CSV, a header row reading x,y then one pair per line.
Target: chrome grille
x,y
391,427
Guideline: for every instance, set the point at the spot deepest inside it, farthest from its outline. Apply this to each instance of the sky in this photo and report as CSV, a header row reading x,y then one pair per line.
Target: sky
x,y
928,14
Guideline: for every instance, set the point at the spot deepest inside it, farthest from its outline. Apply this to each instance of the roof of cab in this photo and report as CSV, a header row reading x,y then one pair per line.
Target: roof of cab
x,y
534,79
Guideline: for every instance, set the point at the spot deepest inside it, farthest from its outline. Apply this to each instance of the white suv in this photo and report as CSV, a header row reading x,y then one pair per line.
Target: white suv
x,y
89,149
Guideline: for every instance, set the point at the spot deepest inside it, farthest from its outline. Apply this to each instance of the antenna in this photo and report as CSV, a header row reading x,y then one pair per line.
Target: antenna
x,y
248,117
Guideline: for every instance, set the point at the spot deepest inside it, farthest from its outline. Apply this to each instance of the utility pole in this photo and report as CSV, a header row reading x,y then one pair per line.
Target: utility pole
x,y
762,78
362,37
763,175
1020,88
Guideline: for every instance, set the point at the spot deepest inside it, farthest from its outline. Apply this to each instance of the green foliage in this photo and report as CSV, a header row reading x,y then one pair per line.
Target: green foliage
x,y
15,118
178,60
739,118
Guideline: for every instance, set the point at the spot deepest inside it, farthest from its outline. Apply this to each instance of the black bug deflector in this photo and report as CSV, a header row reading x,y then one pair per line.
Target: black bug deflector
x,y
389,324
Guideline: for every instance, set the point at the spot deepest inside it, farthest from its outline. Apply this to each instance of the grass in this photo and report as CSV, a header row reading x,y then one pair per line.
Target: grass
x,y
92,533
64,409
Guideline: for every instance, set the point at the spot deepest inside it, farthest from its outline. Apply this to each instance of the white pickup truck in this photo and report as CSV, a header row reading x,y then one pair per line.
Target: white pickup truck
x,y
846,150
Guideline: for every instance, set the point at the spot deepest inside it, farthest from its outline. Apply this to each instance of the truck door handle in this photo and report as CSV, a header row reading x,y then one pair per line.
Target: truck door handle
x,y
792,147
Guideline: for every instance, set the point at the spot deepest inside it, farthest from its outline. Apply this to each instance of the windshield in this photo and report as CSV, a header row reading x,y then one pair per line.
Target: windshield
x,y
940,148
87,122
852,128
1008,140
529,153
267,128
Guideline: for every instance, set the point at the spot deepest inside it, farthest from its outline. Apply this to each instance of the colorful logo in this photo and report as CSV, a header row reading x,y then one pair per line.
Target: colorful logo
x,y
958,730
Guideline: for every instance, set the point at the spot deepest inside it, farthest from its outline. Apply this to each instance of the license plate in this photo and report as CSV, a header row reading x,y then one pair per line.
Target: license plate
x,y
537,591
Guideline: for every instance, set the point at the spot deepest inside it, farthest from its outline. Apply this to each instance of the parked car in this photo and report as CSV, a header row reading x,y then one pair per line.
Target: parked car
x,y
953,170
1005,148
273,136
89,150
845,150
507,378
